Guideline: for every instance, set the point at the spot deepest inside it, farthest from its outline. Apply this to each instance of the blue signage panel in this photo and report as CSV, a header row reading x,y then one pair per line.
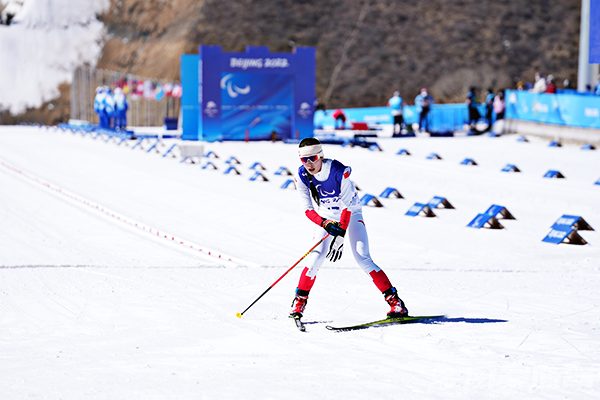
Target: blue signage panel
x,y
418,208
481,219
366,199
494,210
441,118
209,95
510,168
566,222
415,210
390,191
572,222
559,109
305,96
437,200
189,99
252,95
256,104
553,174
594,56
557,235
563,234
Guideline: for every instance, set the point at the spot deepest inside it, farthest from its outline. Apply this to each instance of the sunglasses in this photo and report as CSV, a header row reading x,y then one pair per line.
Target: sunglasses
x,y
309,158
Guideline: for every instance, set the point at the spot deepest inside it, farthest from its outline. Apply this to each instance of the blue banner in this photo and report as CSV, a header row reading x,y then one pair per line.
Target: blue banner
x,y
594,56
256,104
441,117
559,109
189,98
249,95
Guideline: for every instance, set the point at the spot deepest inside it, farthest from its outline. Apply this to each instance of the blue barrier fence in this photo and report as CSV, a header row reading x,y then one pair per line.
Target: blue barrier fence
x,y
566,109
442,118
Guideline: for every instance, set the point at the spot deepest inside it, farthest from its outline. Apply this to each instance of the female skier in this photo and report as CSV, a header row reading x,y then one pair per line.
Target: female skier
x,y
327,182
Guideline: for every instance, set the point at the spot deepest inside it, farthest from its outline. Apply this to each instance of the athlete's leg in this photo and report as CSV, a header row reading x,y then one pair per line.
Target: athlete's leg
x,y
359,243
307,278
314,260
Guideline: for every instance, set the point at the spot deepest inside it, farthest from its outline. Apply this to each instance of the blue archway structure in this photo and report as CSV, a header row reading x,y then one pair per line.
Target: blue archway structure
x,y
248,96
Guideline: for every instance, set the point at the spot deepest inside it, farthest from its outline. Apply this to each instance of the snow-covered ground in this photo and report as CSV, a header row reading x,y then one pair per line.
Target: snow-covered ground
x,y
94,307
45,42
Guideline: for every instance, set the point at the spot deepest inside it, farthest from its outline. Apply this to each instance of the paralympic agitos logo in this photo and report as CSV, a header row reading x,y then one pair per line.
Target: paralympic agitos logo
x,y
232,90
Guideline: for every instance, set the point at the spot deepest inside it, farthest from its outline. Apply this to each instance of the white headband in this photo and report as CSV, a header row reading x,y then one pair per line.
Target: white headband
x,y
308,151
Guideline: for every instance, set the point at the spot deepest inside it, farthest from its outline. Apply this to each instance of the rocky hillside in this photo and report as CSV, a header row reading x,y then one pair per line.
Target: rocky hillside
x,y
376,46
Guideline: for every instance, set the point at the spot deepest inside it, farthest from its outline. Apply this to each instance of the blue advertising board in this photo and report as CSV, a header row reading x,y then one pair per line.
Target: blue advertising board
x,y
564,235
442,117
572,222
594,56
482,219
262,111
511,168
418,208
249,95
189,100
559,109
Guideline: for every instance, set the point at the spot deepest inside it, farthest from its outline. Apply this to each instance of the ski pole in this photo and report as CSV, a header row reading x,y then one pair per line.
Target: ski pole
x,y
239,315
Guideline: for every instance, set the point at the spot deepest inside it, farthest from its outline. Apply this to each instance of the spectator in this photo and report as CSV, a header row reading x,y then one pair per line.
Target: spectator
x,y
340,119
100,108
499,105
597,87
472,103
550,85
489,108
567,84
319,116
121,108
109,107
520,85
423,103
540,84
397,104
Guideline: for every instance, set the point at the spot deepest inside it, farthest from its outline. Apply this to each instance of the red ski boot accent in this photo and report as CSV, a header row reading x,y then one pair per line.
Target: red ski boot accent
x,y
397,305
298,306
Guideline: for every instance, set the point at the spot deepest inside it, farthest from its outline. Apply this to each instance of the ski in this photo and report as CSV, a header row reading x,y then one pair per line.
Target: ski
x,y
299,323
384,322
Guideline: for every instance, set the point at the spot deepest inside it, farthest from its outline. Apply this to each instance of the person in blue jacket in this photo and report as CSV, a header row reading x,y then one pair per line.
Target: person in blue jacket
x,y
489,108
99,107
423,103
472,106
121,108
397,104
109,107
319,116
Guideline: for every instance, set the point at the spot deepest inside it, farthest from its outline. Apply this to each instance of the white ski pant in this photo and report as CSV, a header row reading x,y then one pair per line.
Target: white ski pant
x,y
356,240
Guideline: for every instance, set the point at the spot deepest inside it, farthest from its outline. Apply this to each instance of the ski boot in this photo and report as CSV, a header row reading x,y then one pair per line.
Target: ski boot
x,y
299,303
398,307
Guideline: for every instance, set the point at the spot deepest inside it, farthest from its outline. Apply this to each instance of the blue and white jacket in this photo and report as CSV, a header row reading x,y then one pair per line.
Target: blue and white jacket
x,y
336,190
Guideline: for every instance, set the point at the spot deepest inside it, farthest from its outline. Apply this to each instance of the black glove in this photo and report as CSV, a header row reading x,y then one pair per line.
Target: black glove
x,y
333,228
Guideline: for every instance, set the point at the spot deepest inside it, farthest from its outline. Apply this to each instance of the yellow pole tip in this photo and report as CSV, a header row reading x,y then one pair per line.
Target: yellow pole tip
x,y
239,315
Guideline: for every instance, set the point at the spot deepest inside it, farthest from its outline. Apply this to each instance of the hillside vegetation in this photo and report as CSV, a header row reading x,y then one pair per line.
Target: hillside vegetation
x,y
378,46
